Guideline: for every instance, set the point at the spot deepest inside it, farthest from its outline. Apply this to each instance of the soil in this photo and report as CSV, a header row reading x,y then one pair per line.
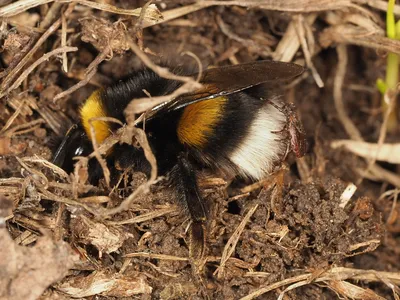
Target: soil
x,y
299,225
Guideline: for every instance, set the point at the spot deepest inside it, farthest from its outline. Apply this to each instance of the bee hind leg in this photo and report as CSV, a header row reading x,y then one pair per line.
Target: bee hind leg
x,y
186,184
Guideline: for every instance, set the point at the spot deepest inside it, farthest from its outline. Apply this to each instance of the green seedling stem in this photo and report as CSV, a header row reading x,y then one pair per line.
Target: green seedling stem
x,y
392,66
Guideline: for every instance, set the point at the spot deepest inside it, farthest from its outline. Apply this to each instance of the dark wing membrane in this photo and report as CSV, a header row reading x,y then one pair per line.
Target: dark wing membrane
x,y
231,79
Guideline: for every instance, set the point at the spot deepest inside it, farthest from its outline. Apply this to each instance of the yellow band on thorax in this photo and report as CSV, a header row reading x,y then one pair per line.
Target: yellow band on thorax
x,y
93,108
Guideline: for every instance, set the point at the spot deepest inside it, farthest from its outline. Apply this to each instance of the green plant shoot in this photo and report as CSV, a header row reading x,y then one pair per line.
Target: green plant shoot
x,y
392,65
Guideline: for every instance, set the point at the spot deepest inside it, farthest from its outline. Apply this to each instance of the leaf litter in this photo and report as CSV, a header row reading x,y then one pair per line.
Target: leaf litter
x,y
325,226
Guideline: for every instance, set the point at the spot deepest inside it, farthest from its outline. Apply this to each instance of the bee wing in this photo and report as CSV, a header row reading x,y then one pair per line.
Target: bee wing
x,y
227,80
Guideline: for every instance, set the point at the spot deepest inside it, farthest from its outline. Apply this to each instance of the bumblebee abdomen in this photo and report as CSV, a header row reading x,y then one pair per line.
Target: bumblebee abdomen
x,y
257,154
242,138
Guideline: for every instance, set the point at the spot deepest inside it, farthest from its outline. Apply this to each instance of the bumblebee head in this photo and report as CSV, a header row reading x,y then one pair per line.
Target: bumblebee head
x,y
75,143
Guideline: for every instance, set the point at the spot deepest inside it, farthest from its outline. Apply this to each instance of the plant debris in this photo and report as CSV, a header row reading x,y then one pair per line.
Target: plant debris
x,y
323,226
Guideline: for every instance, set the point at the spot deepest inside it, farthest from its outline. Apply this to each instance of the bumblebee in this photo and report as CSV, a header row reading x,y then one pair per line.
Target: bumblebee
x,y
230,125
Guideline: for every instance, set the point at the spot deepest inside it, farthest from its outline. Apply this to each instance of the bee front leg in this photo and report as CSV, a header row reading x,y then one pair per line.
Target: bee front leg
x,y
186,184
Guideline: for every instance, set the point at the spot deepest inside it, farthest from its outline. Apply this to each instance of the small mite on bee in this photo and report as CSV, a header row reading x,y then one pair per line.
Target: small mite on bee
x,y
293,131
227,125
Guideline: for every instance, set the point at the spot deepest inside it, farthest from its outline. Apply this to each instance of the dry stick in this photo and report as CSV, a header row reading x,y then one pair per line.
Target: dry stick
x,y
44,58
277,285
348,125
245,42
356,35
13,130
293,6
29,129
58,222
95,199
383,130
373,244
156,256
30,54
10,77
379,4
145,217
12,180
144,104
267,182
198,61
289,6
112,139
82,163
300,6
18,56
64,42
51,15
178,12
303,42
18,7
351,130
45,194
162,72
233,240
384,175
150,14
235,261
30,29
121,177
339,273
57,170
89,73
102,149
346,290
139,23
383,152
392,210
143,188
363,22
290,43
30,170
102,161
23,5
13,117
292,287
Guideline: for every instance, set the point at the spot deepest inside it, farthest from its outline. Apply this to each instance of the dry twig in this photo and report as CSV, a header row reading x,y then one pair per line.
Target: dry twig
x,y
147,216
383,152
337,273
64,42
300,26
89,73
351,130
15,70
44,58
231,244
23,5
144,104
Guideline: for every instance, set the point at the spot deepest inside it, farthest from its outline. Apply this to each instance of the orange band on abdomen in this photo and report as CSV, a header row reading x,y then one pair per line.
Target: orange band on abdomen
x,y
198,121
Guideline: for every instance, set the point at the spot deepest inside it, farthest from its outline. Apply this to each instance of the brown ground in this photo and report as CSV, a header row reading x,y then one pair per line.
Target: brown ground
x,y
297,233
